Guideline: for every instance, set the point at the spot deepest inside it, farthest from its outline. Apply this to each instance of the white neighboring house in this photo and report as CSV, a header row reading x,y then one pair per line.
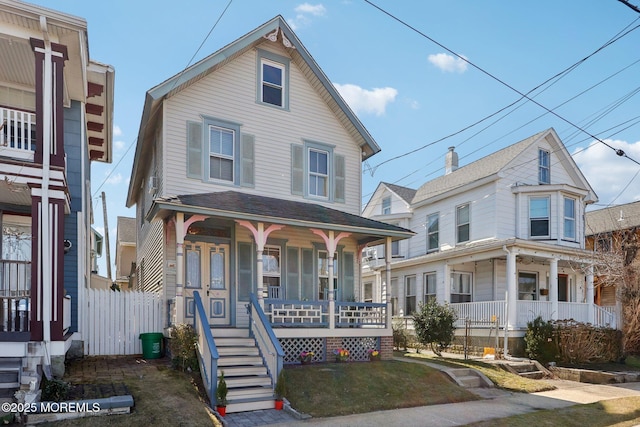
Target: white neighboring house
x,y
501,237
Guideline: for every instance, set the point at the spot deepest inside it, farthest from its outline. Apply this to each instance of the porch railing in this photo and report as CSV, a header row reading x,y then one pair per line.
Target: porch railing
x,y
360,314
605,316
480,311
206,349
282,313
15,301
17,136
268,344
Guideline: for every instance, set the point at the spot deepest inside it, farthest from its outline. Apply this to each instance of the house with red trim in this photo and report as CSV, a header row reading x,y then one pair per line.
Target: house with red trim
x,y
56,107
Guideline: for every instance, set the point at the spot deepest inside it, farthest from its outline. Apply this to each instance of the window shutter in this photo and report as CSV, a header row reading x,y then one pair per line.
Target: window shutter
x,y
348,278
297,170
339,179
247,177
308,291
194,150
245,270
293,274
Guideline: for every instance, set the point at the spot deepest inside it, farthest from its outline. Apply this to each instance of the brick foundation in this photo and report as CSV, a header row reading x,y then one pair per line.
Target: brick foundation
x,y
386,348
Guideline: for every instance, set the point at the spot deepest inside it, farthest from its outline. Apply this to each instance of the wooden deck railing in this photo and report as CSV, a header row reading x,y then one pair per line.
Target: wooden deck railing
x,y
15,285
17,133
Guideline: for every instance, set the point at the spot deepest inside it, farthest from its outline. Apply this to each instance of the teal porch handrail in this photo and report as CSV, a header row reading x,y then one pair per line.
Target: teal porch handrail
x,y
206,349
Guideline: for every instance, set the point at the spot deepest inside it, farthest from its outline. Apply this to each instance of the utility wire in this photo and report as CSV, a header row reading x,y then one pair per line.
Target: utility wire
x,y
626,3
618,152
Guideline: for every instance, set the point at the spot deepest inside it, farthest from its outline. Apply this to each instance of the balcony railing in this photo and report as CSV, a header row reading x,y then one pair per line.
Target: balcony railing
x,y
17,133
316,314
15,285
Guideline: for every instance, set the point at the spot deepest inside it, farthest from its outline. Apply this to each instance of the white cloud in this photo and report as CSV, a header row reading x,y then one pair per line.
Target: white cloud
x,y
367,101
114,179
609,173
116,130
303,13
312,9
118,145
449,63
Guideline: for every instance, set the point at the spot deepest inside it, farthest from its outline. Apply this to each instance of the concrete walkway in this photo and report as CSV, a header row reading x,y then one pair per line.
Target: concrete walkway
x,y
500,404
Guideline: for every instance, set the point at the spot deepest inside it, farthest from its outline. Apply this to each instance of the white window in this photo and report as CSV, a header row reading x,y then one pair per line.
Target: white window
x,y
318,173
368,292
386,206
539,217
221,153
394,296
429,286
272,82
527,286
323,276
569,218
271,272
433,232
460,287
410,295
544,167
462,223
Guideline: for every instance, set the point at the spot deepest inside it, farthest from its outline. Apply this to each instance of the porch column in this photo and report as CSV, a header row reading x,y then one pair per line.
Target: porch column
x,y
512,291
260,236
591,317
179,268
553,287
331,243
446,297
387,279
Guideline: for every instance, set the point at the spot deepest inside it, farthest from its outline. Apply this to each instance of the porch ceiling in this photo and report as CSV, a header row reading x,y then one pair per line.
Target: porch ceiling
x,y
235,205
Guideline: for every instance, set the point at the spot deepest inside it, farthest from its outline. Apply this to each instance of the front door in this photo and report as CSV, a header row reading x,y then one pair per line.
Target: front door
x,y
207,271
563,293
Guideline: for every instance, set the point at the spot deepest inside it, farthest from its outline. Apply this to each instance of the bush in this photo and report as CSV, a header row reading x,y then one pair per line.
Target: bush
x,y
580,343
183,347
538,339
54,390
221,391
399,335
434,325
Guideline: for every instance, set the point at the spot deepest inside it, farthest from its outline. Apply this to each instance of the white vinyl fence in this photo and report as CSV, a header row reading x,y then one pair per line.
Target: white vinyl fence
x,y
115,321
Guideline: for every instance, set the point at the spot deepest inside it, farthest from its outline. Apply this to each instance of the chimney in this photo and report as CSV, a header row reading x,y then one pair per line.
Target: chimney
x,y
450,161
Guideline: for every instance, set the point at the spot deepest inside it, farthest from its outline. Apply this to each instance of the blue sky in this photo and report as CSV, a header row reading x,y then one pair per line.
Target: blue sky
x,y
408,90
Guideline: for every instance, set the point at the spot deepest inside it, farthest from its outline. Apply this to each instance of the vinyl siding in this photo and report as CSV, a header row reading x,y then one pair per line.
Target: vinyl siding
x,y
151,251
274,130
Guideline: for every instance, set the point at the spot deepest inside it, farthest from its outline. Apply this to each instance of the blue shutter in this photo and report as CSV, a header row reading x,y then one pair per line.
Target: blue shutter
x,y
194,150
308,288
297,169
339,179
245,270
293,274
247,168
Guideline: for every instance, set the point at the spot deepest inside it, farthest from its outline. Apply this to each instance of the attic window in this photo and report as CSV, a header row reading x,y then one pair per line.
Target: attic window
x,y
386,206
544,167
273,79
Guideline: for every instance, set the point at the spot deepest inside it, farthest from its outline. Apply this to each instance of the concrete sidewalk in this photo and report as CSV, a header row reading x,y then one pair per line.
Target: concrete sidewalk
x,y
501,404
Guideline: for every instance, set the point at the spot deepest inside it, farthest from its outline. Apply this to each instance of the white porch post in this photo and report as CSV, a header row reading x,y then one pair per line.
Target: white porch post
x,y
179,268
512,291
553,287
331,243
446,297
260,235
387,279
591,317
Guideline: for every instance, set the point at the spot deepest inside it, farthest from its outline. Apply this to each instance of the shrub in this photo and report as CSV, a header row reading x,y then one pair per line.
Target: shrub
x,y
281,386
434,325
183,347
399,335
538,341
580,343
221,391
54,390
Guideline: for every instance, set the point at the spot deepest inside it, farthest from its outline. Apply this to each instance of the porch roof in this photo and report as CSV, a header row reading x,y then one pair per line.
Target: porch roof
x,y
251,207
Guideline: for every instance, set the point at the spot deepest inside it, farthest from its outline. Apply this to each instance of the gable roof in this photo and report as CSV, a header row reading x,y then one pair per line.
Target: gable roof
x,y
621,217
405,193
489,166
236,205
299,55
126,230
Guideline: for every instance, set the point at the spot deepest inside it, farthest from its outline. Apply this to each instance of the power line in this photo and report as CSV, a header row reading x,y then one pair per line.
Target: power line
x,y
626,3
619,152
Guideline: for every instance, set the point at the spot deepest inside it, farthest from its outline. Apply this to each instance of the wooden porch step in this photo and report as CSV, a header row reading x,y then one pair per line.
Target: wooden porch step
x,y
238,351
241,371
243,405
240,361
229,332
249,380
234,342
250,392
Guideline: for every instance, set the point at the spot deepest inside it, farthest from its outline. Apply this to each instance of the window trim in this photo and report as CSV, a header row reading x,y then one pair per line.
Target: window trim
x,y
548,218
544,155
319,146
425,286
468,223
207,123
436,233
386,205
407,295
571,219
221,155
453,281
536,292
278,61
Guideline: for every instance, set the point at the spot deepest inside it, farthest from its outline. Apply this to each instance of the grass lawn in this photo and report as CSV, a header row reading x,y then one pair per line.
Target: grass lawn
x,y
162,396
330,389
621,412
501,378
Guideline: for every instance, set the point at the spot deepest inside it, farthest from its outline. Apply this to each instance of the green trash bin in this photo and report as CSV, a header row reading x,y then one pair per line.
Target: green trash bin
x,y
152,345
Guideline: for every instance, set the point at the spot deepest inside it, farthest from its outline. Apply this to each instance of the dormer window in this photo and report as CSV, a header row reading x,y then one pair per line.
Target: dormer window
x,y
544,167
386,206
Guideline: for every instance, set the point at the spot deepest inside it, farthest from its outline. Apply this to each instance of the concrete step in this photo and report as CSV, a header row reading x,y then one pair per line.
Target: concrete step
x,y
470,381
243,405
238,351
523,367
240,361
534,375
